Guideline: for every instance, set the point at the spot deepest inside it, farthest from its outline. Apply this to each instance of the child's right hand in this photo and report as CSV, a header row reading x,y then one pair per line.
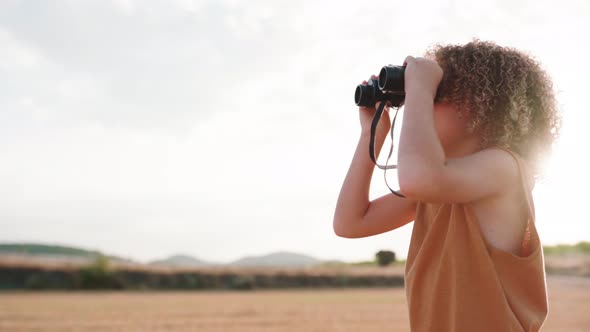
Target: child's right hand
x,y
366,115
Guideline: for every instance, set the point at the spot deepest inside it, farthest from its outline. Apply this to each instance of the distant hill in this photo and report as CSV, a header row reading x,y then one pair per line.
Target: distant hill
x,y
278,259
66,253
282,258
181,261
43,249
54,252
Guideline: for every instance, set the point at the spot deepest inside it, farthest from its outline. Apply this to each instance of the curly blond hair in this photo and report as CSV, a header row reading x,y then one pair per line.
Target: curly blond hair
x,y
507,93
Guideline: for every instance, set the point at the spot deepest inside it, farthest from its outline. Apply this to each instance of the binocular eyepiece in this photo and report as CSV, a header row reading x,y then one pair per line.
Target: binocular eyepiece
x,y
389,87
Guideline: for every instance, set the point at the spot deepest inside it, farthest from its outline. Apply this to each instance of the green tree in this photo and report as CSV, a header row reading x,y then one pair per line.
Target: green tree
x,y
385,257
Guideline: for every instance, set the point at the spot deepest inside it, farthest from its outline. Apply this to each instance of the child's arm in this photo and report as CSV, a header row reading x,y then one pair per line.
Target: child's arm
x,y
423,172
355,216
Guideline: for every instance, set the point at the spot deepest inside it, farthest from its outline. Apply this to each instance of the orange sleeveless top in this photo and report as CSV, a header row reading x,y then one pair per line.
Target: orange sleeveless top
x,y
455,280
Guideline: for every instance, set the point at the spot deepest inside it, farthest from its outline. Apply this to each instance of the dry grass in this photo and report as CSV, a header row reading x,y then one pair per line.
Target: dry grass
x,y
382,309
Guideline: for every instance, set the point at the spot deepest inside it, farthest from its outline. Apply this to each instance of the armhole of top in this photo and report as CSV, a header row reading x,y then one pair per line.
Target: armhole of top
x,y
527,190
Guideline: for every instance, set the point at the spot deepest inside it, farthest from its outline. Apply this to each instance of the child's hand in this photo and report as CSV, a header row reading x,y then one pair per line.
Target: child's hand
x,y
422,74
366,115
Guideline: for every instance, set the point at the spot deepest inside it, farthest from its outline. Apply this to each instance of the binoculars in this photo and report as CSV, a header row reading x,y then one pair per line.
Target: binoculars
x,y
388,88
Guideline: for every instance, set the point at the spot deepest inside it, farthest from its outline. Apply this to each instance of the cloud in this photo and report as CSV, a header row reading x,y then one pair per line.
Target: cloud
x,y
158,66
15,55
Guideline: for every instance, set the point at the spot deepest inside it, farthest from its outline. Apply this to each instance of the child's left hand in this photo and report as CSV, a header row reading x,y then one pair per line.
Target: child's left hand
x,y
422,74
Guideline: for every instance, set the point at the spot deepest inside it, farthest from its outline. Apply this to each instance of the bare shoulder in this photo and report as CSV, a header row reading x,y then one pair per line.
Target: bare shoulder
x,y
491,154
504,165
477,176
494,170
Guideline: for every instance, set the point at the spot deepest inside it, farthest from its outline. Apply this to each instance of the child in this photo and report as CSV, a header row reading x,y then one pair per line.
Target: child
x,y
478,121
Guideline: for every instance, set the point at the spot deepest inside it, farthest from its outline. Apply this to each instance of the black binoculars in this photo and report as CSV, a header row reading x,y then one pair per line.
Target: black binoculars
x,y
389,87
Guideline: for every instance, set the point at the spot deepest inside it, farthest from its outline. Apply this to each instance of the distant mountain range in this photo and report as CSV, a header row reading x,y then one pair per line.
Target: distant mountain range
x,y
281,258
278,259
181,261
53,252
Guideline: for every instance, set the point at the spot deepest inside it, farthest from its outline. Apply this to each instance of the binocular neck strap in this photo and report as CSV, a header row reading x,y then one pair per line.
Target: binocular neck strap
x,y
372,144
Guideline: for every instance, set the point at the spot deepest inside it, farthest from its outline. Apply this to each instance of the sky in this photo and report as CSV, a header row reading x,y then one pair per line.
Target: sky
x,y
222,129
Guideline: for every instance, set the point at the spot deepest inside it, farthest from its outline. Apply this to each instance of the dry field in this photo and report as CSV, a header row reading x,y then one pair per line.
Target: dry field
x,y
382,309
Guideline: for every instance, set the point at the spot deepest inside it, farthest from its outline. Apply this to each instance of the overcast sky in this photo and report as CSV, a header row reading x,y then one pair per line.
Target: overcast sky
x,y
225,128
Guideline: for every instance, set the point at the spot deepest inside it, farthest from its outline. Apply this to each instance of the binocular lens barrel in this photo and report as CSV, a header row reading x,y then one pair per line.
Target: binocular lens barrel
x,y
391,78
388,87
364,95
